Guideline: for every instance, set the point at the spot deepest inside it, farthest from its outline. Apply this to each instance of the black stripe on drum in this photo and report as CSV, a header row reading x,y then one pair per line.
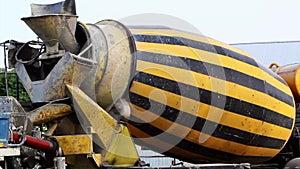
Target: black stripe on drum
x,y
154,147
200,45
216,71
215,99
163,28
191,146
197,123
169,153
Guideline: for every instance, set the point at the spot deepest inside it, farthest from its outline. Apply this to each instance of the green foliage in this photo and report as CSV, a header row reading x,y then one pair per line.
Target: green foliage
x,y
12,86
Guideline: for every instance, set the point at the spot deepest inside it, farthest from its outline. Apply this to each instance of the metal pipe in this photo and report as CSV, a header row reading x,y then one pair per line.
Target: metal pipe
x,y
291,75
35,143
5,70
17,87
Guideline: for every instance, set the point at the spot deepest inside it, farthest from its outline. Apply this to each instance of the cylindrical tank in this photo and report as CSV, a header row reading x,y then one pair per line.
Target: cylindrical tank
x,y
191,97
195,98
291,74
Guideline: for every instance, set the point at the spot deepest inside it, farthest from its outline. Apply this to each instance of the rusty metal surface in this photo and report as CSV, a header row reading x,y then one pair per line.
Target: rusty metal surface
x,y
49,112
43,9
97,38
56,31
67,71
75,144
119,65
64,7
55,24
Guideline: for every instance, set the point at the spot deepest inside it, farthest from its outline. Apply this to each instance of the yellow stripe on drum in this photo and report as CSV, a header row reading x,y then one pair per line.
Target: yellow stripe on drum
x,y
204,82
194,135
176,33
219,116
200,55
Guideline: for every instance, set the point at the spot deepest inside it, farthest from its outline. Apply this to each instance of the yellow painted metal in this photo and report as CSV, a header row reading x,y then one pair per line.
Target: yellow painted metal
x,y
75,144
1,144
97,158
102,123
49,112
84,25
194,136
291,74
244,123
177,33
201,55
204,81
51,129
122,152
227,118
114,139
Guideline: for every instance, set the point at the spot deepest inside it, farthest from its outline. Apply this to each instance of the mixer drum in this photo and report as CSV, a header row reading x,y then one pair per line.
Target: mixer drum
x,y
190,96
198,99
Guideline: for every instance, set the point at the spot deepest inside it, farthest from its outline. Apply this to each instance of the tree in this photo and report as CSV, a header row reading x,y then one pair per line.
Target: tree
x,y
12,86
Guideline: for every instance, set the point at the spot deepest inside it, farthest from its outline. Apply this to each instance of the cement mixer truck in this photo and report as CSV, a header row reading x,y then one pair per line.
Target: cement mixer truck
x,y
99,89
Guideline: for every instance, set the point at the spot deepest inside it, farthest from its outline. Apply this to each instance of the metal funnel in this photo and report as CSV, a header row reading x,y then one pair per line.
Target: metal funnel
x,y
55,24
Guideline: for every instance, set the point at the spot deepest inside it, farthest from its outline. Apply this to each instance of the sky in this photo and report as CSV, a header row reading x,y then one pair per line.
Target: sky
x,y
230,21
